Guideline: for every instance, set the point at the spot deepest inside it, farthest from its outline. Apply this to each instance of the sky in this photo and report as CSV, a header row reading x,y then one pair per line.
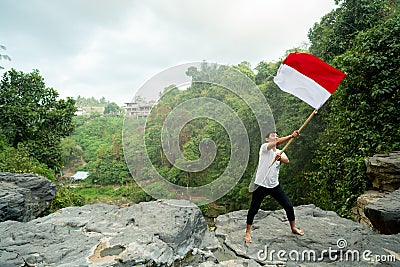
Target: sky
x,y
104,48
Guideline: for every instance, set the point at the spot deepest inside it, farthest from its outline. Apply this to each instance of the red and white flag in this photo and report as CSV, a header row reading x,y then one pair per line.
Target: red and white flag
x,y
309,78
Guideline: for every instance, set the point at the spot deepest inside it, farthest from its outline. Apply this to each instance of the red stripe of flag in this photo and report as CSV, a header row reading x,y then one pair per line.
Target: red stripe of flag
x,y
316,69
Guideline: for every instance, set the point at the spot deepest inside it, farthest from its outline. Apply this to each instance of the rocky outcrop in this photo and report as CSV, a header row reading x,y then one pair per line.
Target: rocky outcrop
x,y
174,233
370,196
24,197
328,240
145,234
385,213
383,171
378,208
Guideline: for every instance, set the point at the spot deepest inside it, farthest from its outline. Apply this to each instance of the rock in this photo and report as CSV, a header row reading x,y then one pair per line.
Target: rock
x,y
156,233
24,197
174,233
383,170
328,240
384,214
365,199
235,221
233,263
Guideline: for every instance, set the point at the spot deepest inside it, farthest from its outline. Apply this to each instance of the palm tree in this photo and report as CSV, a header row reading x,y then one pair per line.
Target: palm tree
x,y
4,57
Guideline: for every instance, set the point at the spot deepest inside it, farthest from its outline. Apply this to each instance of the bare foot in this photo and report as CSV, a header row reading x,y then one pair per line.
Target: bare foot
x,y
297,231
248,238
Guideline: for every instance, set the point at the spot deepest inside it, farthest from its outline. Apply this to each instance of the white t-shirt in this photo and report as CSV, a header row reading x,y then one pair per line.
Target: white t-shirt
x,y
265,176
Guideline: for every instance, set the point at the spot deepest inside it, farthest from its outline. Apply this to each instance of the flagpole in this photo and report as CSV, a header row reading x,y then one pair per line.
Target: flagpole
x,y
291,140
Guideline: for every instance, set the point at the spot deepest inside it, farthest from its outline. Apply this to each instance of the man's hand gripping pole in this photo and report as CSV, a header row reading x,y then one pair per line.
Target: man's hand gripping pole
x,y
291,140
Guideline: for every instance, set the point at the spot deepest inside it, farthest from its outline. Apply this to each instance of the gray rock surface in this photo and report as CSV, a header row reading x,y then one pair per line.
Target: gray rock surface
x,y
146,234
383,170
232,263
174,233
24,197
329,240
384,214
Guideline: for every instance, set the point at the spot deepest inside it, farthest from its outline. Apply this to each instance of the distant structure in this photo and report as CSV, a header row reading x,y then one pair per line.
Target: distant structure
x,y
88,110
80,176
139,110
79,112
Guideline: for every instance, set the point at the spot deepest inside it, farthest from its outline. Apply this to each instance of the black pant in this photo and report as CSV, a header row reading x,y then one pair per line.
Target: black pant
x,y
277,193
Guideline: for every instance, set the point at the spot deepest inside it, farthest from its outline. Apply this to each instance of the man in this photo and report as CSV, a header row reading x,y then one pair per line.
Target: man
x,y
266,182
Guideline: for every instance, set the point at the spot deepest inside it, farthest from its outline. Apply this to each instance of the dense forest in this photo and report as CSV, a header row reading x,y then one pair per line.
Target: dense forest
x,y
39,132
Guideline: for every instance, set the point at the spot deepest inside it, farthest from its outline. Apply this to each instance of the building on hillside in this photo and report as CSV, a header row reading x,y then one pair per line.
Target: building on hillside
x,y
139,110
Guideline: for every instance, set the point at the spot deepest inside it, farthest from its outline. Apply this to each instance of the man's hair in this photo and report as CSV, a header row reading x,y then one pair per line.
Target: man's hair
x,y
268,134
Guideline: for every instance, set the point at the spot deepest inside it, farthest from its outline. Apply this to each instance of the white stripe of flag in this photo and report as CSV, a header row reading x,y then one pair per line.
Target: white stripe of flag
x,y
308,78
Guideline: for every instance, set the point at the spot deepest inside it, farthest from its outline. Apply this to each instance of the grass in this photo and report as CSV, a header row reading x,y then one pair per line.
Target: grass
x,y
97,194
111,194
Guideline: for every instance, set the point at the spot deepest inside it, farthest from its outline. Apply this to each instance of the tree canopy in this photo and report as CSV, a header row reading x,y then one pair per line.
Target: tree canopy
x,y
112,109
32,116
362,116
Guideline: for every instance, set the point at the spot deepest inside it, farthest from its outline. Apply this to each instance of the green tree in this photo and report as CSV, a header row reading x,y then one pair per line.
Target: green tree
x,y
363,116
265,72
32,115
71,151
95,133
90,102
65,197
17,160
112,109
99,141
334,34
245,68
193,134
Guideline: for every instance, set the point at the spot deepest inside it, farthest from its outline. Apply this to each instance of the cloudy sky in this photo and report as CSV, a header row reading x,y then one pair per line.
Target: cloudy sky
x,y
111,48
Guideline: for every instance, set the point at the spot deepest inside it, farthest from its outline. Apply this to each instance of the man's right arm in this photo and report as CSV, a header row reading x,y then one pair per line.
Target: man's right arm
x,y
282,140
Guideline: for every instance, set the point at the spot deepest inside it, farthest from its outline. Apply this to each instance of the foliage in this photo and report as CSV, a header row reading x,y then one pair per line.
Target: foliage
x,y
91,102
97,135
334,34
195,135
31,116
98,141
112,109
106,171
65,197
71,151
93,194
245,68
17,160
133,193
363,115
